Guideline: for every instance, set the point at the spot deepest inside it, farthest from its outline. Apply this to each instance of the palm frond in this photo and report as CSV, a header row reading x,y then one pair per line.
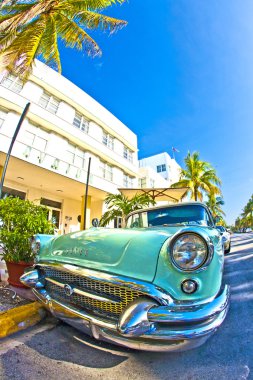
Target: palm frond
x,y
83,5
10,10
108,216
6,40
65,19
119,205
199,176
48,48
75,36
92,20
19,56
6,2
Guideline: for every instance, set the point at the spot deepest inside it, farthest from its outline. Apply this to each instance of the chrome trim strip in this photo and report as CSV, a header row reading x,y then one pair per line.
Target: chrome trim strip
x,y
82,292
148,289
176,334
194,313
57,308
155,346
190,332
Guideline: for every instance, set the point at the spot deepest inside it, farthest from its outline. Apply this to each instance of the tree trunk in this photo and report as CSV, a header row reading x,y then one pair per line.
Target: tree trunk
x,y
195,193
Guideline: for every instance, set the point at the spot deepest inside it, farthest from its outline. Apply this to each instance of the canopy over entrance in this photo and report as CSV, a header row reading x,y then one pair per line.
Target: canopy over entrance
x,y
158,194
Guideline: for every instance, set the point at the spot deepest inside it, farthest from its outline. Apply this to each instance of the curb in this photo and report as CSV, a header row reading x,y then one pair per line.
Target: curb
x,y
20,318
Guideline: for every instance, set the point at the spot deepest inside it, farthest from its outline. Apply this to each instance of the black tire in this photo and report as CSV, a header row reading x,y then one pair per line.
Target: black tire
x,y
227,250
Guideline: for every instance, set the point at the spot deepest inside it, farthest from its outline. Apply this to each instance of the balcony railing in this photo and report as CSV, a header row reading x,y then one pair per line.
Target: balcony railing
x,y
118,157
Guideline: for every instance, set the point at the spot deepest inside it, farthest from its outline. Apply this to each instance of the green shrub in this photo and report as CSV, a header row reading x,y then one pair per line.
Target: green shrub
x,y
19,221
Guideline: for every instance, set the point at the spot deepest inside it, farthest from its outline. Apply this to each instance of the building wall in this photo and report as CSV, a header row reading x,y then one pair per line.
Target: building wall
x,y
69,211
163,165
148,177
55,147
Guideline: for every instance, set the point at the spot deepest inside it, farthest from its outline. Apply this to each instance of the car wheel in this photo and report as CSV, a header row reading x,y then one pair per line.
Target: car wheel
x,y
228,249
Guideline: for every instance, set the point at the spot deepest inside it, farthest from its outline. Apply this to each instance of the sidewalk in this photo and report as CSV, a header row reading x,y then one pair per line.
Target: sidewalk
x,y
11,297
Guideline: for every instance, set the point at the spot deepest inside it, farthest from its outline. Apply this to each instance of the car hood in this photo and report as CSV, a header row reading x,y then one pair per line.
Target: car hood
x,y
128,252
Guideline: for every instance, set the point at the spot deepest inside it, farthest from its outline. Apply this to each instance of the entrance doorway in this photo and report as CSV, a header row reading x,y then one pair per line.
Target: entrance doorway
x,y
54,211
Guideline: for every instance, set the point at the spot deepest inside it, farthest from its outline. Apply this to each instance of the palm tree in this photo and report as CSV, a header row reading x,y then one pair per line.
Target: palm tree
x,y
32,28
215,203
199,176
119,206
247,214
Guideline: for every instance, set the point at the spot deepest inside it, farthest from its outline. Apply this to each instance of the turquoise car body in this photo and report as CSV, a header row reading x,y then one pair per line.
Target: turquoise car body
x,y
137,259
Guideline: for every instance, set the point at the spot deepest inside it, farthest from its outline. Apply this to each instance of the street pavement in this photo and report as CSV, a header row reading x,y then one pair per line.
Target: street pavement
x,y
57,351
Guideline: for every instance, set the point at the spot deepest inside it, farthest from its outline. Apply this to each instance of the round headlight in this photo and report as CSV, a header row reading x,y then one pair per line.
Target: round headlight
x,y
189,252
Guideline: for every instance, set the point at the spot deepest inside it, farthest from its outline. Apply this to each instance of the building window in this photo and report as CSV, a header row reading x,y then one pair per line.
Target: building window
x,y
40,143
50,203
75,156
49,102
35,141
8,192
80,158
106,171
142,182
127,181
161,168
81,123
127,154
54,211
12,82
108,140
117,222
152,182
70,154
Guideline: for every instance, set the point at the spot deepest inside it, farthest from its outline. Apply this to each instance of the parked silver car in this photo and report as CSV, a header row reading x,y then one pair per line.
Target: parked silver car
x,y
226,238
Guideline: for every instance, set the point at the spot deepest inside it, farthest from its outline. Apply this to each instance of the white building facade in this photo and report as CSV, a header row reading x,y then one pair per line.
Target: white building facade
x,y
159,170
63,129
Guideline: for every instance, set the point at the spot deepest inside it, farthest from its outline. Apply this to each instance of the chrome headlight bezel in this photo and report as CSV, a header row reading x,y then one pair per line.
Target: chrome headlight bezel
x,y
208,256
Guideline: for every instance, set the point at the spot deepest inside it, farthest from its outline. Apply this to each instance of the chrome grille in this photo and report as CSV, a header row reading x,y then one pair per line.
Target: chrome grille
x,y
111,310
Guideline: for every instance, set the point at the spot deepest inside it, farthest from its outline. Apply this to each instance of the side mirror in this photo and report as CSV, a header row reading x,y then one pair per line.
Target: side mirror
x,y
95,222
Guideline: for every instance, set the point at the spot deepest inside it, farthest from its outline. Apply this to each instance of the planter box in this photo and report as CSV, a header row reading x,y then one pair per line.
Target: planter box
x,y
15,271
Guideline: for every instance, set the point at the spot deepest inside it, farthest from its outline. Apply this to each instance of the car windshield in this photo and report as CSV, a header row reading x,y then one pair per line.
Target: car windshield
x,y
186,215
220,228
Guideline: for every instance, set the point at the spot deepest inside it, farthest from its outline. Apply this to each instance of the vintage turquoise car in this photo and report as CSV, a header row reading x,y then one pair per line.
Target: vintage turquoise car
x,y
155,285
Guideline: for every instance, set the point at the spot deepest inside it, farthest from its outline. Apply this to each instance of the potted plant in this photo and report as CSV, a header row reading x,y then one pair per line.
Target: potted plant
x,y
19,221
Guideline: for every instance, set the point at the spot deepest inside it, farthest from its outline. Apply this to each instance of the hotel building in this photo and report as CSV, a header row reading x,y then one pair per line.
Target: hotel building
x,y
63,129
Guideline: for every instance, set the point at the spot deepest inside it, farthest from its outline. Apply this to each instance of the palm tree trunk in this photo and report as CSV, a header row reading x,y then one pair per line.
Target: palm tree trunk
x,y
195,193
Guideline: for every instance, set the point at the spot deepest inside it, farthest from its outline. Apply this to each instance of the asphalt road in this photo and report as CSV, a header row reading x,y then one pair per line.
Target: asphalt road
x,y
58,351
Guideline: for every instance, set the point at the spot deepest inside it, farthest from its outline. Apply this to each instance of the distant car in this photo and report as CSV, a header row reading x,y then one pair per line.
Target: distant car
x,y
226,237
155,285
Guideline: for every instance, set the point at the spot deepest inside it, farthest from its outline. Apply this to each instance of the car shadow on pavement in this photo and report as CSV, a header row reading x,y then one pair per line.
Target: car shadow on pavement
x,y
67,344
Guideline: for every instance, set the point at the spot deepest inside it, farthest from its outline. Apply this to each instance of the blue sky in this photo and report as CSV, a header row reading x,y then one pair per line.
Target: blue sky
x,y
180,74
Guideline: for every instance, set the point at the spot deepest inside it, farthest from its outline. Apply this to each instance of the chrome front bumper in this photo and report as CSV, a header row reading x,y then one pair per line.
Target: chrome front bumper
x,y
144,324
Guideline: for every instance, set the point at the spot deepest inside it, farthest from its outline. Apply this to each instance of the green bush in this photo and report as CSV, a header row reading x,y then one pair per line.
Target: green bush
x,y
19,221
